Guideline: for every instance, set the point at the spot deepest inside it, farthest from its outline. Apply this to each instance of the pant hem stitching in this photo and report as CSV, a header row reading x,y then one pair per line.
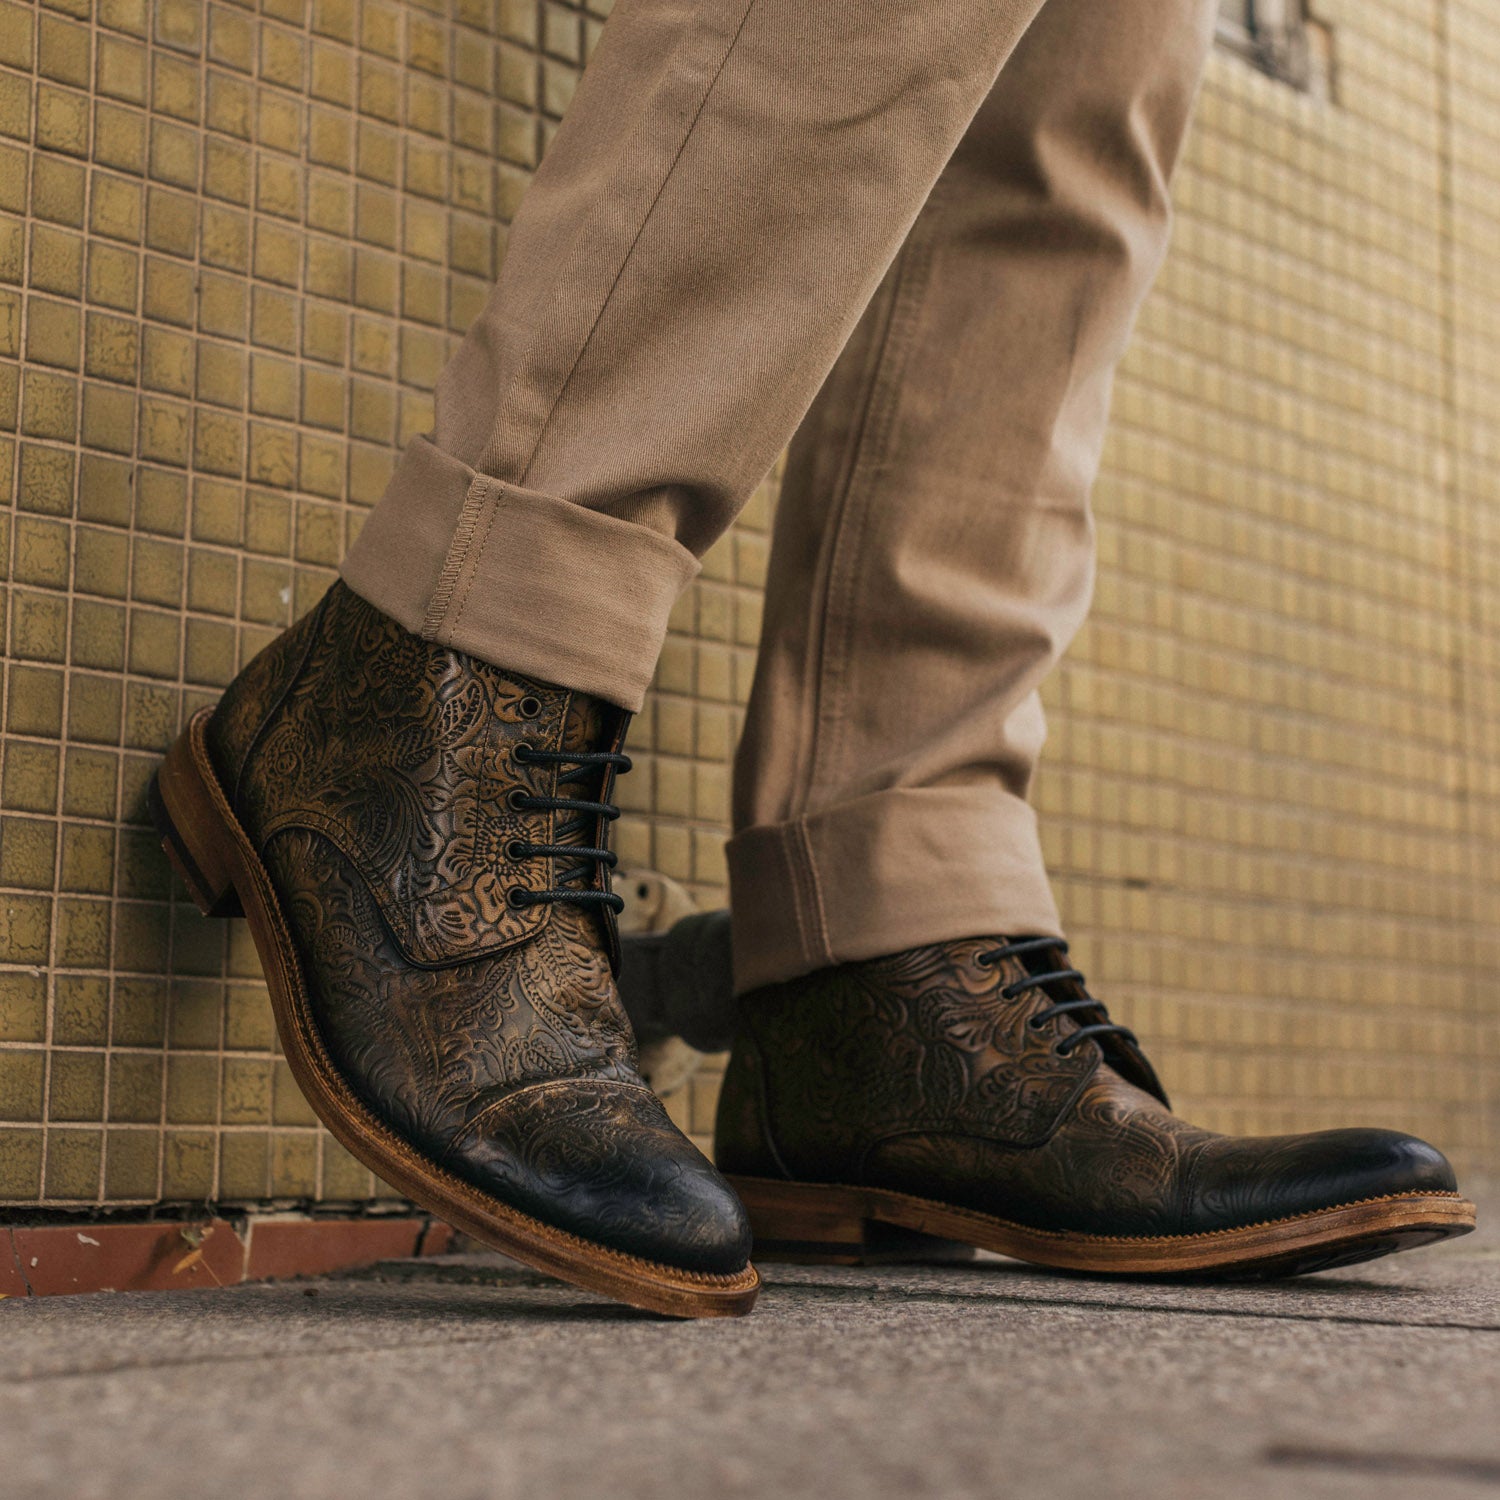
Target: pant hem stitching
x,y
458,554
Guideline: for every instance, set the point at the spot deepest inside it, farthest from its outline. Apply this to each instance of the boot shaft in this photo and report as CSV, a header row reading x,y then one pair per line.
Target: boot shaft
x,y
411,758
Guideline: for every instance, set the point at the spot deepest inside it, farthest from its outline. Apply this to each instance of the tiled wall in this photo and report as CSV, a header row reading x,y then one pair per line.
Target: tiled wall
x,y
235,246
1273,793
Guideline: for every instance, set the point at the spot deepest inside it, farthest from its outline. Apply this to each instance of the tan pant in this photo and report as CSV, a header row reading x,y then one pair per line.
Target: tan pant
x,y
750,200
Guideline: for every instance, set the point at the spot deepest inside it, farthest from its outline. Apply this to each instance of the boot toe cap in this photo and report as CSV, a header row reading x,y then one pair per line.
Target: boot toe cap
x,y
1248,1181
602,1161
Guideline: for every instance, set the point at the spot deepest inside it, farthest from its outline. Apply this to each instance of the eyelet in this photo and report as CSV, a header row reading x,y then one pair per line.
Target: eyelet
x,y
530,706
1032,1024
981,962
1062,1049
520,752
514,798
1007,992
517,898
516,849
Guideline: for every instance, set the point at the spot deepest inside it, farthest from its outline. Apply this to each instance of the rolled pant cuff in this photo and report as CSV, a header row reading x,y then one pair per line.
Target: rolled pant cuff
x,y
893,870
531,583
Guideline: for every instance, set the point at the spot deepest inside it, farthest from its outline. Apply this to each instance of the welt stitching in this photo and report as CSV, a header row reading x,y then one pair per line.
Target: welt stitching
x,y
1073,1236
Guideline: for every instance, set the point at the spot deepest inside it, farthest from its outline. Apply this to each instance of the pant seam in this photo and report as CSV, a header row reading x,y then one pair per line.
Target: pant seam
x,y
458,552
625,259
805,769
470,560
913,275
810,899
800,906
478,546
463,543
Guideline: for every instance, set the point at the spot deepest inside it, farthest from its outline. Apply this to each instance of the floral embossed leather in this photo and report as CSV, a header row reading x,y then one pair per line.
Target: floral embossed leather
x,y
981,1076
447,909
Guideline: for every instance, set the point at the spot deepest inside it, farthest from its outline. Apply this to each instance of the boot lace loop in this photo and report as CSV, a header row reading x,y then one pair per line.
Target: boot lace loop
x,y
574,766
1100,1027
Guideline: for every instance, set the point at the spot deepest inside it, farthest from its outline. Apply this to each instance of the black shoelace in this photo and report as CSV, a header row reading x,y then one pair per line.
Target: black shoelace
x,y
1084,1002
583,764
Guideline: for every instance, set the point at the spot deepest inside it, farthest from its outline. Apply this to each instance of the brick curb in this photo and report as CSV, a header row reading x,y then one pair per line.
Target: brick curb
x,y
49,1260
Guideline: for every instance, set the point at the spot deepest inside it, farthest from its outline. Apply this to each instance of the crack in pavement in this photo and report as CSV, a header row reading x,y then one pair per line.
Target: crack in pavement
x,y
595,1312
15,1255
1109,1305
481,1276
1387,1465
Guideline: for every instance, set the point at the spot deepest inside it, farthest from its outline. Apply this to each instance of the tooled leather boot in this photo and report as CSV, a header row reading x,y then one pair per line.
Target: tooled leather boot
x,y
419,842
975,1091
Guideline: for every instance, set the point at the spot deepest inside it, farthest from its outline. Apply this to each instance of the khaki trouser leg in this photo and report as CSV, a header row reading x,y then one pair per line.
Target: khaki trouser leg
x,y
730,184
933,553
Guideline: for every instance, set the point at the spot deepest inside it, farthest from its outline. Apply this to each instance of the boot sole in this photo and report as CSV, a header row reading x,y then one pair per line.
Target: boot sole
x,y
813,1223
225,877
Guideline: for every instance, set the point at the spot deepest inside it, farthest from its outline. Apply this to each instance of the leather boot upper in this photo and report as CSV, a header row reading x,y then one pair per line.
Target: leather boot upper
x,y
392,788
931,1073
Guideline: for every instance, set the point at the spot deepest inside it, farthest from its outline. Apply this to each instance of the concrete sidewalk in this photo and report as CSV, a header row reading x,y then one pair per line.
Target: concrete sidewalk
x,y
466,1377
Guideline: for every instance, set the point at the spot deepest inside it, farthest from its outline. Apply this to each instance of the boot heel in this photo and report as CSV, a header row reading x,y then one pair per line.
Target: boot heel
x,y
814,1224
797,1222
183,811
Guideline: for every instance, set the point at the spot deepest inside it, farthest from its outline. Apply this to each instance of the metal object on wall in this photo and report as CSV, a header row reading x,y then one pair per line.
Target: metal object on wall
x,y
675,978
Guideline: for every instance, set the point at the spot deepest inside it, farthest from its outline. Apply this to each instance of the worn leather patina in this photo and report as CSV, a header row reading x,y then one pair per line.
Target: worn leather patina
x,y
915,1073
377,776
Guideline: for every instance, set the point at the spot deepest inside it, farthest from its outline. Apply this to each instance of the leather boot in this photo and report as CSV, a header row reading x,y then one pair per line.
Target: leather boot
x,y
419,842
975,1091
